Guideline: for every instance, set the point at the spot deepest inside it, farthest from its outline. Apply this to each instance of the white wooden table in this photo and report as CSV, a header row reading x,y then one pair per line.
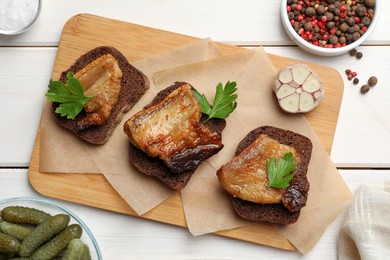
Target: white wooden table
x,y
361,145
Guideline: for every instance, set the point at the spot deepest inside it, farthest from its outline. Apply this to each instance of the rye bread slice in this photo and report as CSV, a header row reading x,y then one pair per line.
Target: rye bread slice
x,y
133,85
154,166
295,196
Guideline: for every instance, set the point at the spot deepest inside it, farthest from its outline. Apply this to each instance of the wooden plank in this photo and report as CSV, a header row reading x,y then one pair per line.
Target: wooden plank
x,y
84,32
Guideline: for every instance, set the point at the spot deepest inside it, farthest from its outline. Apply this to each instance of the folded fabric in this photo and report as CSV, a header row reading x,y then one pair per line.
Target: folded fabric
x,y
366,231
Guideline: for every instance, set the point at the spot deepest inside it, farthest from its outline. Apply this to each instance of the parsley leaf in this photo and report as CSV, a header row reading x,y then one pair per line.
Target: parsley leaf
x,y
70,96
280,174
224,101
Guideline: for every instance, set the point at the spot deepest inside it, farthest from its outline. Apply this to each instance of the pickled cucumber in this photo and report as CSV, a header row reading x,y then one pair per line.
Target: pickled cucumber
x,y
57,244
74,251
87,253
15,230
8,244
25,215
42,233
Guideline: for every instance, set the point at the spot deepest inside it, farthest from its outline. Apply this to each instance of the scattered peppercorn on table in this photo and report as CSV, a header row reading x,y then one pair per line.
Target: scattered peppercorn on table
x,y
360,147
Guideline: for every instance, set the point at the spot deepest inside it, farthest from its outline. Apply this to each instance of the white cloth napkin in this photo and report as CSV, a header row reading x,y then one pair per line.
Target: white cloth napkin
x,y
366,231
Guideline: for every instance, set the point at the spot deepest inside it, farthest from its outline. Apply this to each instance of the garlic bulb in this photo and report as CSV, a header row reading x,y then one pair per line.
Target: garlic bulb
x,y
298,89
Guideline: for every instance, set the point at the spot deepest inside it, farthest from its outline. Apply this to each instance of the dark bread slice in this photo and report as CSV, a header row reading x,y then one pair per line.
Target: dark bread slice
x,y
154,166
133,85
295,196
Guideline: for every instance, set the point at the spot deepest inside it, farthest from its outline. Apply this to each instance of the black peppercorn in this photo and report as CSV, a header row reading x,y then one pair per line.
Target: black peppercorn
x,y
355,36
355,81
372,81
369,3
359,55
310,11
320,10
343,27
353,52
366,21
308,26
330,25
364,89
356,28
348,37
350,21
351,30
360,11
333,39
329,16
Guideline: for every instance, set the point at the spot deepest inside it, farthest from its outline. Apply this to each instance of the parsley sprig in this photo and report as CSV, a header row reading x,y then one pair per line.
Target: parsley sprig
x,y
224,101
280,174
70,96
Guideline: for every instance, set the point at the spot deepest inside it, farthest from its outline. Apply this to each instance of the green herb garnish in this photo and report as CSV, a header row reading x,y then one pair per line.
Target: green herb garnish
x,y
280,174
224,101
70,96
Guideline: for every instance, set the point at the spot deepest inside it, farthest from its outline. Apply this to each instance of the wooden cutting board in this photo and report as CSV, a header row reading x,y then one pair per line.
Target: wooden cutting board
x,y
84,32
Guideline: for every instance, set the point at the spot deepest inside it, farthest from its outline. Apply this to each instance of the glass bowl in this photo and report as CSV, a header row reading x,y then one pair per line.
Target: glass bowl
x,y
53,208
18,16
309,47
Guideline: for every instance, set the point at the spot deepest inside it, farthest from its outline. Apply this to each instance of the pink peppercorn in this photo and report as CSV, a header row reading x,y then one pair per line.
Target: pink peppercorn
x,y
357,19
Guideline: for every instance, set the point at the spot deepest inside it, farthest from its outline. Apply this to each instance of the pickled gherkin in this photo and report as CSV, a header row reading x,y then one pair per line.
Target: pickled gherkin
x,y
75,250
25,215
16,230
8,244
57,244
43,233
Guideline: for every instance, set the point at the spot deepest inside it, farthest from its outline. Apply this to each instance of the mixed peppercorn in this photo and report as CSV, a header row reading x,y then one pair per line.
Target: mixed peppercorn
x,y
372,81
330,23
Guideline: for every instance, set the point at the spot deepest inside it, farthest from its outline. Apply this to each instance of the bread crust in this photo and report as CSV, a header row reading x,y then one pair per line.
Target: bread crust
x,y
295,195
154,166
133,85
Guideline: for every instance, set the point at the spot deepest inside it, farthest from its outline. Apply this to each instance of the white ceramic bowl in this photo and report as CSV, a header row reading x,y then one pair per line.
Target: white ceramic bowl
x,y
321,50
18,16
53,208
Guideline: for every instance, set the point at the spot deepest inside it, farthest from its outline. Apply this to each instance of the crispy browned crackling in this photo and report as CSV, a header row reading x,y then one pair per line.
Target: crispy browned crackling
x,y
171,130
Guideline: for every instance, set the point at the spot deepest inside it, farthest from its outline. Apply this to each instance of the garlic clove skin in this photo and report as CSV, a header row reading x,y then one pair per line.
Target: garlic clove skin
x,y
298,89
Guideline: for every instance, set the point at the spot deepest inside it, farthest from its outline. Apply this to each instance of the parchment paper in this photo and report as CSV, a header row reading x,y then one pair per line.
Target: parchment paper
x,y
61,151
207,207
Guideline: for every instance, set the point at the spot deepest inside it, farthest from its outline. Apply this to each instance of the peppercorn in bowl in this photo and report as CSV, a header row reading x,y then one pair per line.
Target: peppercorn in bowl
x,y
329,27
35,228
